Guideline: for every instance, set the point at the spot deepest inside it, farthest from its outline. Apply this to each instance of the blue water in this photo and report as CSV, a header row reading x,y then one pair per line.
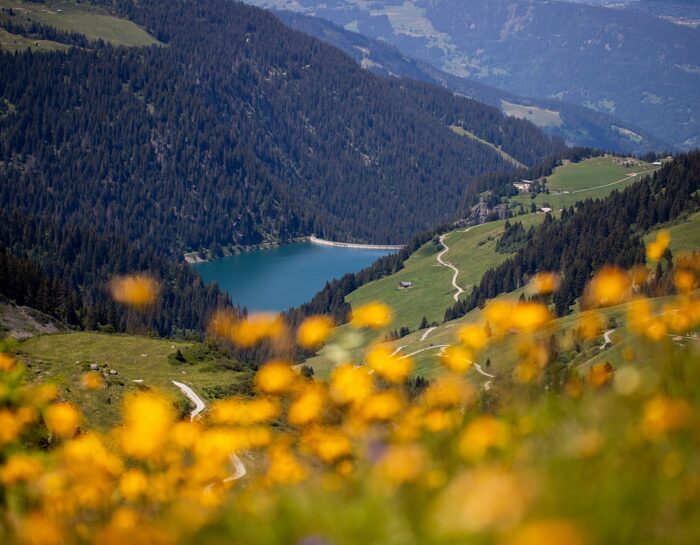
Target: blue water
x,y
283,277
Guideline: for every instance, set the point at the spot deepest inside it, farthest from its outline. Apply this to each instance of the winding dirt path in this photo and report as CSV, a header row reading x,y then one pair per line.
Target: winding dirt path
x,y
444,263
487,384
428,332
628,177
199,406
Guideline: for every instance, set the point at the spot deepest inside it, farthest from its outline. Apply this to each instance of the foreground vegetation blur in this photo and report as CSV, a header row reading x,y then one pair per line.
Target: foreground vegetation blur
x,y
370,456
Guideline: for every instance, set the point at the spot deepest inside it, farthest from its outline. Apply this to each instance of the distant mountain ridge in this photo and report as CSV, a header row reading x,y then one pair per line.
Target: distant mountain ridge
x,y
579,125
619,60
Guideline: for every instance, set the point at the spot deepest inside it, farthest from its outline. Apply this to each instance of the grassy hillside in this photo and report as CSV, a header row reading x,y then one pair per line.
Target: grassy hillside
x,y
64,358
685,235
69,16
472,251
593,178
539,116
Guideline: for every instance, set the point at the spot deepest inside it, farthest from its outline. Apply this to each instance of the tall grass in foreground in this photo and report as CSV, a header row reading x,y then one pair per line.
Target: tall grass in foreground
x,y
547,455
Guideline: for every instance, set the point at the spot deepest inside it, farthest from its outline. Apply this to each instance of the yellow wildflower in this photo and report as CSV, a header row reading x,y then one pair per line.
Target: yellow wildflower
x,y
328,444
62,419
528,316
389,366
590,324
685,280
663,414
473,336
308,406
135,290
275,378
499,316
600,374
314,331
350,385
7,362
382,406
244,412
20,467
284,468
457,359
482,434
610,286
555,531
133,485
10,427
448,391
545,283
374,315
402,463
481,499
92,381
147,421
39,529
656,249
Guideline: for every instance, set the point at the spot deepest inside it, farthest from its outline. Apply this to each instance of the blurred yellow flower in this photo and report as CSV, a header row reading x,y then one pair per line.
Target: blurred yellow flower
x,y
328,444
133,485
249,331
402,463
498,315
482,434
20,467
374,315
244,412
656,249
147,421
314,331
275,378
529,316
448,391
284,468
92,381
590,324
486,498
457,359
685,280
540,532
62,419
382,406
664,414
40,529
545,283
308,406
7,362
600,374
388,365
610,286
10,426
134,290
350,385
473,336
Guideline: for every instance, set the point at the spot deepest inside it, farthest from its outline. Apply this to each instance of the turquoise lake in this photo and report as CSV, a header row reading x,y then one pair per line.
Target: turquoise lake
x,y
283,277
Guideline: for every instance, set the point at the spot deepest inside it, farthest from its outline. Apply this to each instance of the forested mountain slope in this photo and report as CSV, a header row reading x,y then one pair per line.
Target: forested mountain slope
x,y
238,130
578,125
235,130
615,58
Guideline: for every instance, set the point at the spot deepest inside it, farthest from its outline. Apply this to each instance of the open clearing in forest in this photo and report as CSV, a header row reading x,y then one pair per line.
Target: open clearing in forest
x,y
92,21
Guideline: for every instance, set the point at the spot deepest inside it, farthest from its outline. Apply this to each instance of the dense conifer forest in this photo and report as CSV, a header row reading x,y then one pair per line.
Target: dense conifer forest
x,y
236,131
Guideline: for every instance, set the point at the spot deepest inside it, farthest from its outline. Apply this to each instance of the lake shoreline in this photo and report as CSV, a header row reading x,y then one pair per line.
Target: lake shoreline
x,y
193,258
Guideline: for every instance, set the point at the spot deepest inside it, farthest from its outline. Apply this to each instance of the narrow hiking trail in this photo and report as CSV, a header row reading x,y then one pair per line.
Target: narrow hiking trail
x,y
444,263
608,340
487,384
428,332
628,177
199,406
